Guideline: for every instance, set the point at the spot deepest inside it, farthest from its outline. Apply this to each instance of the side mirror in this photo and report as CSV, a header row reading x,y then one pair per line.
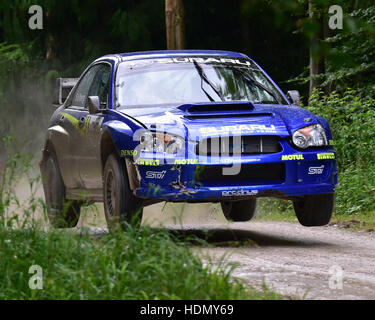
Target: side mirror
x,y
293,96
94,104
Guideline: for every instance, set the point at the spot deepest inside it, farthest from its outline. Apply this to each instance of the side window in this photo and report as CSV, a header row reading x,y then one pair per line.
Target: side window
x,y
101,83
80,95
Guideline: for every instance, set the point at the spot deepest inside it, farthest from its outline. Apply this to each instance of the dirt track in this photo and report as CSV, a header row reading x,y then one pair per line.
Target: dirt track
x,y
296,261
290,259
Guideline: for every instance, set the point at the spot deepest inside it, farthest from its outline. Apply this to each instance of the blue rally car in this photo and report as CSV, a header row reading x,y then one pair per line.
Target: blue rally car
x,y
195,126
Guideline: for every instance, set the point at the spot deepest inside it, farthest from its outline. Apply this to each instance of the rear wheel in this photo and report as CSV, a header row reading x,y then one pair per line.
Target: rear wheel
x,y
62,213
120,204
237,211
314,210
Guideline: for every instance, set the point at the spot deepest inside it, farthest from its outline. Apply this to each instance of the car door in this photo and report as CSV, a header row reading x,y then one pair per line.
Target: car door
x,y
90,168
74,119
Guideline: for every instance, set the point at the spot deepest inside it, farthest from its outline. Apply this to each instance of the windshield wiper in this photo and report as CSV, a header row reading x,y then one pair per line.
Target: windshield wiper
x,y
204,78
258,84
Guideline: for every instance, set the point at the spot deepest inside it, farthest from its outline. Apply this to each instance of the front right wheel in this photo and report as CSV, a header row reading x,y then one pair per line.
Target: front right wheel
x,y
314,210
120,204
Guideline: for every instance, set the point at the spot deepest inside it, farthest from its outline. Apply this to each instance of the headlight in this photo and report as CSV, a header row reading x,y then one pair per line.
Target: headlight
x,y
161,142
311,136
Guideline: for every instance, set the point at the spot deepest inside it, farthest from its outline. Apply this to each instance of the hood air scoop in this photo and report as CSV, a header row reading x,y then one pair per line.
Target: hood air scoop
x,y
220,109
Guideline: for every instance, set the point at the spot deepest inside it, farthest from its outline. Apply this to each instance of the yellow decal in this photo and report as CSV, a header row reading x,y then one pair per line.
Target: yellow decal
x,y
129,153
292,157
87,123
147,162
74,121
324,156
186,161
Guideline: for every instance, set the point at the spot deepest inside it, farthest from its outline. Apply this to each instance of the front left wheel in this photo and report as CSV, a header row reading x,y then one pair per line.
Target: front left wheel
x,y
120,204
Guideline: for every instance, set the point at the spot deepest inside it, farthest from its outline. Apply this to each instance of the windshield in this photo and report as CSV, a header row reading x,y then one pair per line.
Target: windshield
x,y
177,81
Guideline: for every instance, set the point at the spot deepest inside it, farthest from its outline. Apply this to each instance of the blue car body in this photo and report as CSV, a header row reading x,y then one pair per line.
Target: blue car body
x,y
186,175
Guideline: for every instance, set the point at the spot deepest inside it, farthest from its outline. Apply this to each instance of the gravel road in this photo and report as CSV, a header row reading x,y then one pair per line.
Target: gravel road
x,y
314,263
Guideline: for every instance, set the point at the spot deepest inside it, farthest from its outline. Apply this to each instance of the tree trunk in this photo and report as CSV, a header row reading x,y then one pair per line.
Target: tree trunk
x,y
50,41
175,26
317,63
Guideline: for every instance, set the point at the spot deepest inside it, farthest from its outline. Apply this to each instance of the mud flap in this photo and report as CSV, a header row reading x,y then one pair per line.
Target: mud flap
x,y
133,174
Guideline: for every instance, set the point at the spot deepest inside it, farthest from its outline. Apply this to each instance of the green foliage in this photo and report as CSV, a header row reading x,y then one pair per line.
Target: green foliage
x,y
349,53
271,209
145,264
351,60
352,121
15,166
13,59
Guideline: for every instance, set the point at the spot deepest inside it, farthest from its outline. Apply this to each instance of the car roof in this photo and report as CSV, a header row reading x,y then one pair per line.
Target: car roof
x,y
171,53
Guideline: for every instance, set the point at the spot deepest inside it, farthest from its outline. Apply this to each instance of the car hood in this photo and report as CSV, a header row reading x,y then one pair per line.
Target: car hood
x,y
223,118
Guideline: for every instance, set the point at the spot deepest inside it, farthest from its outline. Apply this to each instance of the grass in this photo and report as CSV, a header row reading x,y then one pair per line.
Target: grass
x,y
137,264
271,209
362,221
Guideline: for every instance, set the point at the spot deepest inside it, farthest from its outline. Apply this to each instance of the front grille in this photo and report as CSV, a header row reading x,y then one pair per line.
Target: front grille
x,y
244,145
250,174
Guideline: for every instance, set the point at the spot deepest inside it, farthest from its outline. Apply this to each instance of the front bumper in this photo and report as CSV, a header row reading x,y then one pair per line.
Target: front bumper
x,y
211,194
287,174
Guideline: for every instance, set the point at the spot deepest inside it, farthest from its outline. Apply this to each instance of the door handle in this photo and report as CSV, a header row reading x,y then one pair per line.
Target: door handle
x,y
81,122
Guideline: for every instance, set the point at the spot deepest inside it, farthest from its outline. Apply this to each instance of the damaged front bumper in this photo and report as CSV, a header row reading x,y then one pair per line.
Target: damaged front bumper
x,y
208,179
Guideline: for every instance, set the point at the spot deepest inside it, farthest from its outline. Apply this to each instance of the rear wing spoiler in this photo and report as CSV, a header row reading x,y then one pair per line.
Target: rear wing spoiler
x,y
62,89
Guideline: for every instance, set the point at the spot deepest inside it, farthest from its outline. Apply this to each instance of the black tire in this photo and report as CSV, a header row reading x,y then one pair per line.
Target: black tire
x,y
120,204
62,213
314,210
239,211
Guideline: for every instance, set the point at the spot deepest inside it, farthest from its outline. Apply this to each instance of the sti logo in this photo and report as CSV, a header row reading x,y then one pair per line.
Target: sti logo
x,y
316,170
155,174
